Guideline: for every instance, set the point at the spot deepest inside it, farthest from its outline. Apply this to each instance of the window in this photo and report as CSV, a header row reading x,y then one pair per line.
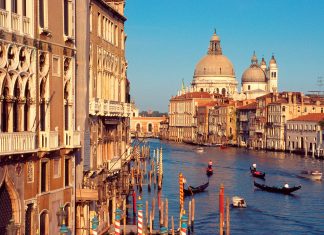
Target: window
x,y
99,24
3,4
56,68
321,110
43,6
249,87
30,172
66,17
14,7
57,168
44,223
44,177
67,172
90,20
24,7
283,108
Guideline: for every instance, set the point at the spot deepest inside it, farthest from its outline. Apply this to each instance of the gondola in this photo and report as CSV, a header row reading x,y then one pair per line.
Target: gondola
x,y
193,190
209,171
258,174
275,189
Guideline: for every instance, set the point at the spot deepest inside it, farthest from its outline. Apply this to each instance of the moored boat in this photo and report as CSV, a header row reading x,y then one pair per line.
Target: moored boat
x,y
200,149
274,189
238,202
312,175
258,174
193,190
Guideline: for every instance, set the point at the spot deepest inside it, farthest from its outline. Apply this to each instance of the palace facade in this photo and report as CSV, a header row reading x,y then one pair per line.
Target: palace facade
x,y
39,137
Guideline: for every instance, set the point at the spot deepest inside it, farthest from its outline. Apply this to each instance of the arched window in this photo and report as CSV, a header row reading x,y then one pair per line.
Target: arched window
x,y
66,107
4,111
223,91
5,208
26,107
42,106
138,127
201,89
16,107
67,210
217,90
150,127
44,223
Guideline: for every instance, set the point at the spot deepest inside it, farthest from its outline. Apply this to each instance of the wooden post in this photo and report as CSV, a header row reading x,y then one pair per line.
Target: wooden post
x,y
172,225
192,214
124,218
166,216
227,217
161,213
221,209
153,211
151,224
189,214
146,213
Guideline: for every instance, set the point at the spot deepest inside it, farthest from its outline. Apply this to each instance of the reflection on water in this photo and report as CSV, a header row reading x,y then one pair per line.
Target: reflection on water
x,y
267,213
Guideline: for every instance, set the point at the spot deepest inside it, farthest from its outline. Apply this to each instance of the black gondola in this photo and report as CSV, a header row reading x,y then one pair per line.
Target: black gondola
x,y
258,174
275,189
193,190
209,171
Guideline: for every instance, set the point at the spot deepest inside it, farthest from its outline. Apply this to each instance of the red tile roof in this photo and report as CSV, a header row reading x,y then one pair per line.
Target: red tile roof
x,y
249,106
191,95
312,117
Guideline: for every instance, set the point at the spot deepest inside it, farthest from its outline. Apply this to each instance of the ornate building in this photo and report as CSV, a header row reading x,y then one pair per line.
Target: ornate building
x,y
38,133
103,85
146,126
215,73
258,80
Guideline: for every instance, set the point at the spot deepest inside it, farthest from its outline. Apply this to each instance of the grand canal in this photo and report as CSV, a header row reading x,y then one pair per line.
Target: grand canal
x,y
267,213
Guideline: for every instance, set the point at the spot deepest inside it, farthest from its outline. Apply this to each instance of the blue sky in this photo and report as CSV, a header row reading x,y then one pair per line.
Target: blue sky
x,y
167,38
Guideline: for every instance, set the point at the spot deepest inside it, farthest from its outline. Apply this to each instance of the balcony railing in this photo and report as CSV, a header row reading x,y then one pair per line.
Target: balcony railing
x,y
243,118
113,164
3,18
26,25
72,139
15,24
109,108
17,142
48,140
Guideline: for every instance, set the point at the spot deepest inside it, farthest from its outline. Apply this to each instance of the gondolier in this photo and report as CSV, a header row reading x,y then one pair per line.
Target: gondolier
x,y
210,164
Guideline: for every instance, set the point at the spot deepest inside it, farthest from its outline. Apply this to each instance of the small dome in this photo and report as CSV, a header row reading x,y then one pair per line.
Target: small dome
x,y
214,37
263,62
214,65
254,74
273,60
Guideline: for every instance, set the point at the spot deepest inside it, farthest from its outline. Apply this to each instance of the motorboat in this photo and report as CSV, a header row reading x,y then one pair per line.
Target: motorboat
x,y
312,175
200,149
238,202
274,189
209,171
193,190
258,174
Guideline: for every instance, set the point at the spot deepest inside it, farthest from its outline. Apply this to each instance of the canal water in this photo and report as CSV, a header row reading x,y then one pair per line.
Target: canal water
x,y
266,213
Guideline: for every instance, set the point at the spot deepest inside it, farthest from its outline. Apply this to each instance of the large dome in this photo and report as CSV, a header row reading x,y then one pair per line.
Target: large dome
x,y
254,74
214,65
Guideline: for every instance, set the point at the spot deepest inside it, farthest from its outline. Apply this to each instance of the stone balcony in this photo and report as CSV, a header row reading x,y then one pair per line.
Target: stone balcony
x,y
71,139
109,108
17,142
48,140
3,18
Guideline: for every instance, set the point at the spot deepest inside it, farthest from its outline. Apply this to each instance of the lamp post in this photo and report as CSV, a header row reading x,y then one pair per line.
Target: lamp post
x,y
61,217
12,228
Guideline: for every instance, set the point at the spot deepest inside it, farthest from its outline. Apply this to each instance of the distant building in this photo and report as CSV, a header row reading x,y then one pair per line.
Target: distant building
x,y
304,134
164,129
246,124
146,126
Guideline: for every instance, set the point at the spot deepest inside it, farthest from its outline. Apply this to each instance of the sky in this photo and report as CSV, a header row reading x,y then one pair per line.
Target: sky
x,y
167,38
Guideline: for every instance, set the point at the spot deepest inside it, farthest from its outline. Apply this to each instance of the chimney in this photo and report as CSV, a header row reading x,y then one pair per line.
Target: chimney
x,y
302,98
294,98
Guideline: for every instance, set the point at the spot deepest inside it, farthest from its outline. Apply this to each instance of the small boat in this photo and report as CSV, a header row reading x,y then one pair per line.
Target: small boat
x,y
258,174
275,189
223,146
193,190
312,175
209,171
200,149
238,202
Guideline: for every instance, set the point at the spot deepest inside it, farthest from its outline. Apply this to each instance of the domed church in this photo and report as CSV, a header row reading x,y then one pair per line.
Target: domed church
x,y
215,73
258,80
